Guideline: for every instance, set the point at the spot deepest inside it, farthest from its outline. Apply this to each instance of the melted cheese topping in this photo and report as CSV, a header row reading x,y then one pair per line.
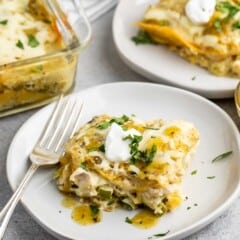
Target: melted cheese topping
x,y
18,24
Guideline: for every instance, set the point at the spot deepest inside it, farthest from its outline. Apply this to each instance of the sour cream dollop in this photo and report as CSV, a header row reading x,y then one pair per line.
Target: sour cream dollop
x,y
200,11
116,148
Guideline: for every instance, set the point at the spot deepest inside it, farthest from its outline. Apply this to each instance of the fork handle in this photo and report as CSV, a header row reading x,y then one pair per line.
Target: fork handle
x,y
8,209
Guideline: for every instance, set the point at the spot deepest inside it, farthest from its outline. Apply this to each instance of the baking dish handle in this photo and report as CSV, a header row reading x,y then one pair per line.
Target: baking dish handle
x,y
84,24
70,14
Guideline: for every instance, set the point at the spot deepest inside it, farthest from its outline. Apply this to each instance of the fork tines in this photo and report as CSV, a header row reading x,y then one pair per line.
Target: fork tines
x,y
62,123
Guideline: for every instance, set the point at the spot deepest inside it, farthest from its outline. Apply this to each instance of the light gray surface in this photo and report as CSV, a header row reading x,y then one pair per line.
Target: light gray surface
x,y
100,64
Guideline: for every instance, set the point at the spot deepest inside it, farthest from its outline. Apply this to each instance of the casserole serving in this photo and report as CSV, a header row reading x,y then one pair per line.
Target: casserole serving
x,y
203,32
39,51
124,161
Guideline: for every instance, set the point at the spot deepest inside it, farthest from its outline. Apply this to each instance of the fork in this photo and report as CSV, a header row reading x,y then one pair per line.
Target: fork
x,y
61,125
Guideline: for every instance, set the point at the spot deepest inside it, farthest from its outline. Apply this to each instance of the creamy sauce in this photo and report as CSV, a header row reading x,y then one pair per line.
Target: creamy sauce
x,y
84,216
69,202
81,214
200,11
145,219
117,149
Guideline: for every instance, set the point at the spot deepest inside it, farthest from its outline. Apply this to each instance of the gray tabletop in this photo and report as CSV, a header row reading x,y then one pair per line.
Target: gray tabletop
x,y
100,63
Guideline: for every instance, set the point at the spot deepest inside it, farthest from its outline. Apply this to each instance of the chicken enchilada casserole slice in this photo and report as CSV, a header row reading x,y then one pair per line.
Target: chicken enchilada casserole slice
x,y
125,162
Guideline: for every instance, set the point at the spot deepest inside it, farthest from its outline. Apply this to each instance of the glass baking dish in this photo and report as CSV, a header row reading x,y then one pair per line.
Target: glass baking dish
x,y
33,82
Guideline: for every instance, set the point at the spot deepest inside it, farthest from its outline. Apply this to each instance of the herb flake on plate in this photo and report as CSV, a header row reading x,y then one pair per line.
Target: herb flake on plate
x,y
158,235
4,22
211,177
222,156
128,220
194,172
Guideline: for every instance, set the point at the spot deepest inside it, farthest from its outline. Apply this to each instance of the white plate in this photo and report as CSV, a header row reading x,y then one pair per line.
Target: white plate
x,y
147,101
157,62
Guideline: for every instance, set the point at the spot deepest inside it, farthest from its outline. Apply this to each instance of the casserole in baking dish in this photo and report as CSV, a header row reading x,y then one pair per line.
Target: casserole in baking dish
x,y
39,48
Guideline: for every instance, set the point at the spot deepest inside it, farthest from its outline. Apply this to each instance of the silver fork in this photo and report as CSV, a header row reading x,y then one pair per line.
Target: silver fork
x,y
61,125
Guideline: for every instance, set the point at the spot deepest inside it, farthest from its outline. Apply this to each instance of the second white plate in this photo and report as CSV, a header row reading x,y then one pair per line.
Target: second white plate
x,y
207,198
157,62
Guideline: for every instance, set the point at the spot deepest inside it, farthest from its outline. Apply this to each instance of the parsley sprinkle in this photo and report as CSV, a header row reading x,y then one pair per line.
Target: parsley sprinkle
x,y
119,121
83,165
188,208
103,125
222,156
19,44
193,78
211,177
4,22
194,172
40,67
143,38
32,41
102,148
128,220
137,155
159,235
236,25
218,24
195,204
227,8
94,209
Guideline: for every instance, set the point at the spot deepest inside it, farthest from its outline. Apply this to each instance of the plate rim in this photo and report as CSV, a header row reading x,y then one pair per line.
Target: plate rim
x,y
226,92
178,234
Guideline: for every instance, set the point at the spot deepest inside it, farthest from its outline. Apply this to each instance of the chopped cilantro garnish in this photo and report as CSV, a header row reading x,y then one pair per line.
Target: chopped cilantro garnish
x,y
143,37
40,67
150,155
103,125
119,121
94,209
227,8
211,177
128,220
37,69
222,156
19,44
4,22
194,172
102,148
218,24
236,25
137,155
158,235
32,41
83,165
